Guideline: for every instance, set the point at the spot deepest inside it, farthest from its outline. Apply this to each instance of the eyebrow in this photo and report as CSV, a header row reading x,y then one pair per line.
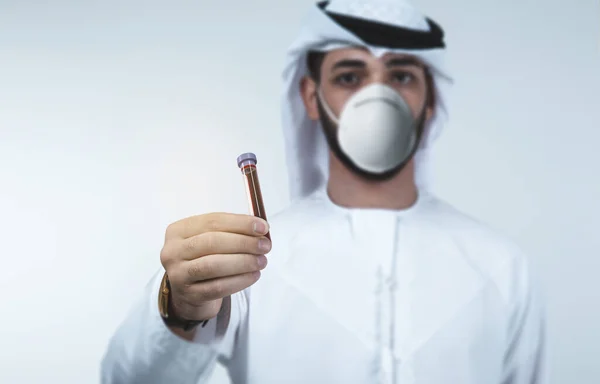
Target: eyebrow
x,y
349,64
404,62
397,62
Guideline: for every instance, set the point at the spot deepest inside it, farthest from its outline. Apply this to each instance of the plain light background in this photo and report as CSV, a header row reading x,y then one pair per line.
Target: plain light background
x,y
117,118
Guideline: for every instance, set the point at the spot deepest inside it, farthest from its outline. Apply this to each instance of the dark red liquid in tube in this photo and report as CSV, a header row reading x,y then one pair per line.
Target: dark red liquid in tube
x,y
247,163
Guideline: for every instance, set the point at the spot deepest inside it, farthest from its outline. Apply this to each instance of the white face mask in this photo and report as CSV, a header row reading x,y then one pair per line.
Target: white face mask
x,y
376,129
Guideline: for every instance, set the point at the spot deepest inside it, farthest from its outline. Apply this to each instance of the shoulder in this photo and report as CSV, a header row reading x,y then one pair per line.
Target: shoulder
x,y
505,267
299,218
295,214
476,237
491,252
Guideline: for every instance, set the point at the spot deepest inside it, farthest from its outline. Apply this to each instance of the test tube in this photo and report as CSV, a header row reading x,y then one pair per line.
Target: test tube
x,y
247,163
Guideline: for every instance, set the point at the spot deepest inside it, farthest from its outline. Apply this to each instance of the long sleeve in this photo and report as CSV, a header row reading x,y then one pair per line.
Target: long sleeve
x,y
234,352
144,350
525,354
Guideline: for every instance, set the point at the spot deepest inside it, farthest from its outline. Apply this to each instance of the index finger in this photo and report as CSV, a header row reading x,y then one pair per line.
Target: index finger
x,y
217,222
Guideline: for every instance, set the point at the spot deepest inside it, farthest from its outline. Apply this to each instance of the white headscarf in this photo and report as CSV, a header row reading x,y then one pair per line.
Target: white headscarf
x,y
306,147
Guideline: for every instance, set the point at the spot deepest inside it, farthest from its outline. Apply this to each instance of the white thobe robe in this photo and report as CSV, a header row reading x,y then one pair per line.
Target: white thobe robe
x,y
425,295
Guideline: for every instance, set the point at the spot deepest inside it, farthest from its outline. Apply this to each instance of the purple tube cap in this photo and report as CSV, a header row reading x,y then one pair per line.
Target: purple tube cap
x,y
248,157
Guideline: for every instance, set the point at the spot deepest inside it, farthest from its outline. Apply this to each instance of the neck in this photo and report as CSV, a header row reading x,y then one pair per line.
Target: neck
x,y
347,189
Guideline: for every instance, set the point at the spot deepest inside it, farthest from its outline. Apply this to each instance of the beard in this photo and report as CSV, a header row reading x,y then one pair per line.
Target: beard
x,y
330,130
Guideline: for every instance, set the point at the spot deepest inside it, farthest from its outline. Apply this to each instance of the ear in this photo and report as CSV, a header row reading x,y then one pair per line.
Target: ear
x,y
308,91
429,113
431,96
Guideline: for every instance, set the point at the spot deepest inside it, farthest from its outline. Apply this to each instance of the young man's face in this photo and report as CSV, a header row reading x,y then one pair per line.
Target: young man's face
x,y
345,71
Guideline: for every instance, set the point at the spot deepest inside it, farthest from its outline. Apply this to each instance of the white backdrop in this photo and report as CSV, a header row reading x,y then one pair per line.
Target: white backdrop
x,y
117,118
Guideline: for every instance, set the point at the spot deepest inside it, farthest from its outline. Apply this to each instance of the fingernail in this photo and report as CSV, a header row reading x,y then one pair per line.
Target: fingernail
x,y
260,227
264,245
262,261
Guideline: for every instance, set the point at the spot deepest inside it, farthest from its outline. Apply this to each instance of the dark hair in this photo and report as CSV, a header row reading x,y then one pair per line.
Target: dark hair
x,y
314,61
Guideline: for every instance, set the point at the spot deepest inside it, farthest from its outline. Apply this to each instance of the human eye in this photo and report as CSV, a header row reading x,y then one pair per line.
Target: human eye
x,y
347,79
403,77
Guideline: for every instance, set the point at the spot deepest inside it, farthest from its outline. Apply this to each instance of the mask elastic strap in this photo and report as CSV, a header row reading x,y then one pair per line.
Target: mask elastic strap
x,y
326,107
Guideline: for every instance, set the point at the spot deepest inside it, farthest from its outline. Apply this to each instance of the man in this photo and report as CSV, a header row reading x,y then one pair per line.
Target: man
x,y
372,279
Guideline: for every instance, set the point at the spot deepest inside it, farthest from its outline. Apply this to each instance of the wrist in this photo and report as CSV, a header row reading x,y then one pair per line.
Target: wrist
x,y
168,313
